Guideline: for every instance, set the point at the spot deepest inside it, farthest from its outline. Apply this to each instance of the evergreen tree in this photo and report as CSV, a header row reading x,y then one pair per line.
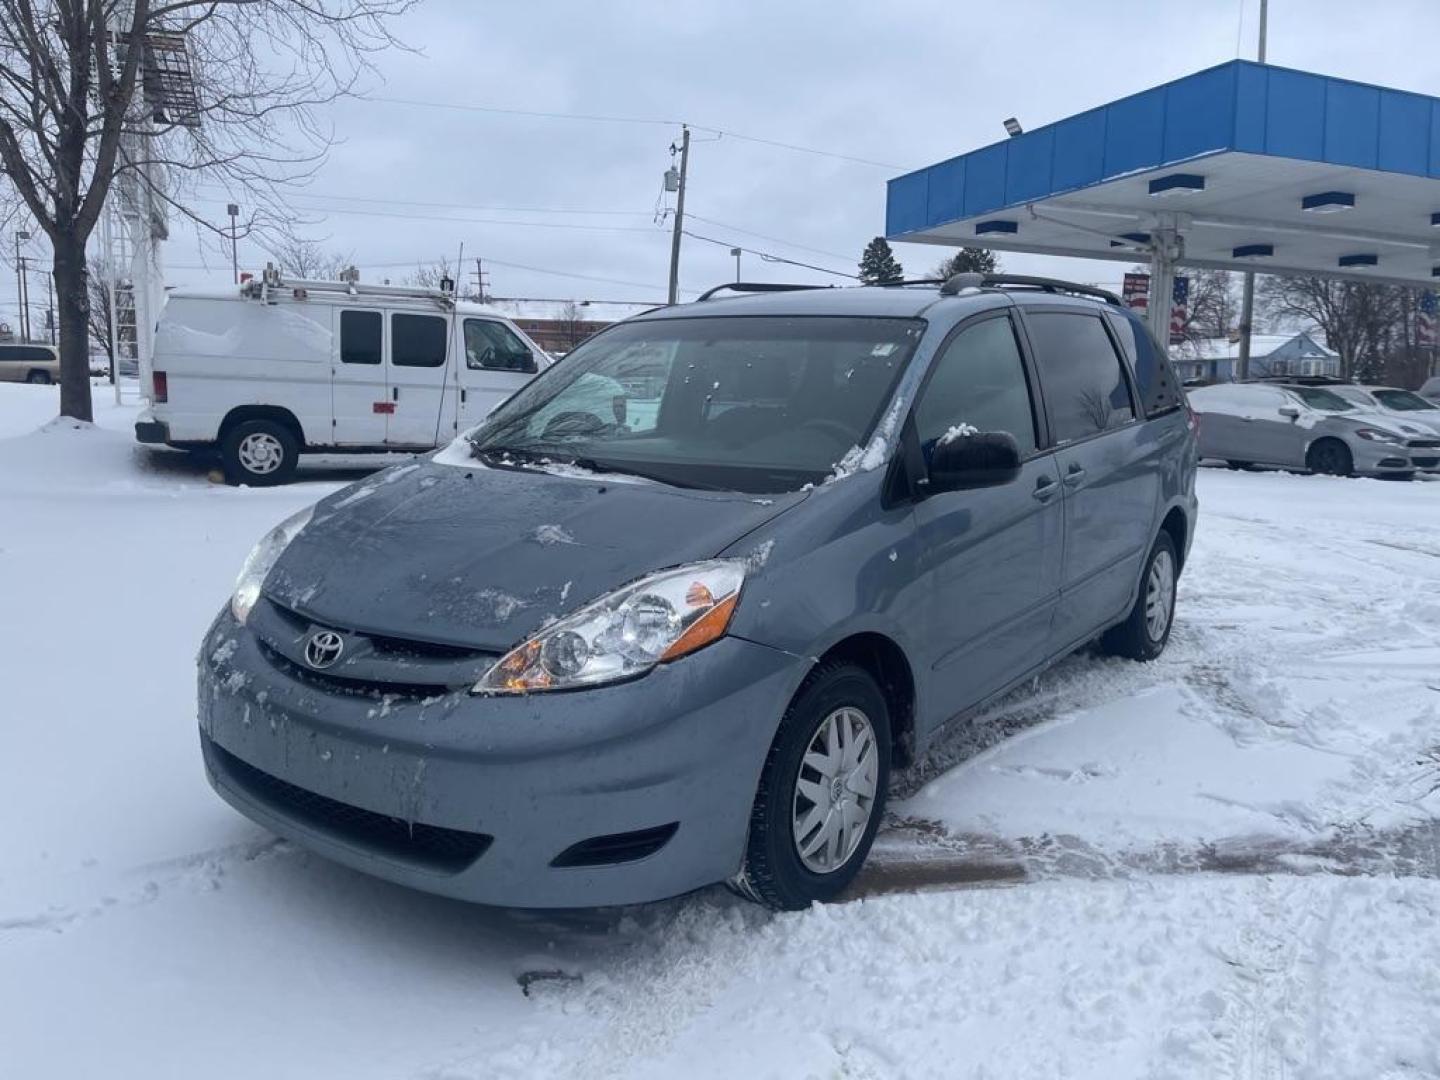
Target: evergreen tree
x,y
968,261
878,266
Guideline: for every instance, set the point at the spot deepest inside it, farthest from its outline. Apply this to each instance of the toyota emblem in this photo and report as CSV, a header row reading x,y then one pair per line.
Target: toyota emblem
x,y
324,648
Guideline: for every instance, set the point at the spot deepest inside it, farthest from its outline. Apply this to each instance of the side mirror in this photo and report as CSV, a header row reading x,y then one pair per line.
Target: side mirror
x,y
984,459
1290,411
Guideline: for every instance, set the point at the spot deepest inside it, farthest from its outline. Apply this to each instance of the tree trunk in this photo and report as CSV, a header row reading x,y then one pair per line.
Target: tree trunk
x,y
72,298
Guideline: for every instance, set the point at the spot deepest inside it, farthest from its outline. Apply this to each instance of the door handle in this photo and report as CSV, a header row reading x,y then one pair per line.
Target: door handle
x,y
462,395
395,393
1044,488
1074,476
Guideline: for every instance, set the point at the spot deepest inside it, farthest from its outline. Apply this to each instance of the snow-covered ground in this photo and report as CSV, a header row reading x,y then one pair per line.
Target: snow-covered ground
x,y
1225,863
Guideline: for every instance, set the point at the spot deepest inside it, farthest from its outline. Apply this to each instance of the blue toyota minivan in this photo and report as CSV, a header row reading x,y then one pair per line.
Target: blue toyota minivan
x,y
674,611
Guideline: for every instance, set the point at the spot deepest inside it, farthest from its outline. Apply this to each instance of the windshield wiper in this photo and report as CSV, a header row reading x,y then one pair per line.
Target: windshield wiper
x,y
511,457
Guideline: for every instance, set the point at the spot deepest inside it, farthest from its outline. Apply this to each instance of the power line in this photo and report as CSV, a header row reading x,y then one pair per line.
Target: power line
x,y
475,221
769,257
305,193
764,236
653,121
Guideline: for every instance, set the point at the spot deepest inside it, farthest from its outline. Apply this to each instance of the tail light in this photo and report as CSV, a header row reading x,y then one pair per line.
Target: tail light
x,y
160,387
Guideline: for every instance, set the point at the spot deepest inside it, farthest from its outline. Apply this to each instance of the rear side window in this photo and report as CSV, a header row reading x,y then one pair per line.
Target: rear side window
x,y
493,346
978,381
26,354
1080,374
359,337
1158,386
417,340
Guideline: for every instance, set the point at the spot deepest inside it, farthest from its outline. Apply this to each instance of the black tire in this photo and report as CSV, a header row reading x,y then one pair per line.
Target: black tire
x,y
1136,638
249,446
774,873
1330,457
39,378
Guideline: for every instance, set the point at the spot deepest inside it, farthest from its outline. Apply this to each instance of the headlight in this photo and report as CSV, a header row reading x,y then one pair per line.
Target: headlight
x,y
658,618
263,556
1376,435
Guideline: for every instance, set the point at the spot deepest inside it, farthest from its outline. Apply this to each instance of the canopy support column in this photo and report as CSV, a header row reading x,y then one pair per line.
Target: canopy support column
x,y
1167,247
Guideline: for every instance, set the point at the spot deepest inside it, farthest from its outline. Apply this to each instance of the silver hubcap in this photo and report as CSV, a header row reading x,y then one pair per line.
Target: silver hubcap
x,y
261,453
1159,595
835,790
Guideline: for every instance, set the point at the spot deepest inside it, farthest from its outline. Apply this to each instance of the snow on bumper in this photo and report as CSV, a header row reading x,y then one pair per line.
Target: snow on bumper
x,y
538,774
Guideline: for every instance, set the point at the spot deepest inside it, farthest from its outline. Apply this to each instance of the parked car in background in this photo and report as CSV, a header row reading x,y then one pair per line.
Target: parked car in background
x,y
1430,389
29,364
275,369
1307,427
627,653
1407,408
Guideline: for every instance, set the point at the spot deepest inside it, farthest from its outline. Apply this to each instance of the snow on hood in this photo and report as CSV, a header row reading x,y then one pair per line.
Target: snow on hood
x,y
484,557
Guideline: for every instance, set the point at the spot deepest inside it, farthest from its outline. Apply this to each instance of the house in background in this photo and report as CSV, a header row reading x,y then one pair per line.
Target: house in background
x,y
1210,360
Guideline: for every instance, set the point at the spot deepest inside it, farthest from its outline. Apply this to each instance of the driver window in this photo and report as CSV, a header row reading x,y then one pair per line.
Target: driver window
x,y
978,381
492,346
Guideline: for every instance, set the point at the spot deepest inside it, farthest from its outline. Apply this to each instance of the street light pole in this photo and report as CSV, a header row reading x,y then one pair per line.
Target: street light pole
x,y
234,212
1247,288
736,252
679,214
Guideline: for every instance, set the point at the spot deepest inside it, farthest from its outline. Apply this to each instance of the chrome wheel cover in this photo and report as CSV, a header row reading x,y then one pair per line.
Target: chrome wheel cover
x,y
835,790
1159,595
260,453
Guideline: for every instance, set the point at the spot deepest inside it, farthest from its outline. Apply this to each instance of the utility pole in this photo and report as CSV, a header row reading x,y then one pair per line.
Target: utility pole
x,y
234,212
50,307
24,299
679,213
1247,288
737,253
480,282
20,235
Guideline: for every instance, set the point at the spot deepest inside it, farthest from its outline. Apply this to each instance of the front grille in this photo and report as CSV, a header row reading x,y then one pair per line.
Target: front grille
x,y
1424,444
428,846
618,848
326,680
1425,462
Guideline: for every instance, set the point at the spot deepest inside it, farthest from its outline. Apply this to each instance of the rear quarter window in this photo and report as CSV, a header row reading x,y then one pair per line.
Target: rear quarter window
x,y
26,354
1155,378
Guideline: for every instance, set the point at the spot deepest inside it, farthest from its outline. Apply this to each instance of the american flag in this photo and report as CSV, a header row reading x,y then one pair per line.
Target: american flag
x,y
1179,310
1425,321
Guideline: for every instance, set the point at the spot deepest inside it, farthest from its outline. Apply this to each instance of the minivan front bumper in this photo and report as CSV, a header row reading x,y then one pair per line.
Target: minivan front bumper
x,y
638,791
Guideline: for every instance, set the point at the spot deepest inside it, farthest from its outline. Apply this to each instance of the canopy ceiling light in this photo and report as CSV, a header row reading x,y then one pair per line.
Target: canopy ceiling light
x,y
1328,202
1253,251
1177,184
1352,261
997,226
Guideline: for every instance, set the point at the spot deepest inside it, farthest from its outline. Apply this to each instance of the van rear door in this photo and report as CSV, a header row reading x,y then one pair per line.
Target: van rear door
x,y
417,371
359,393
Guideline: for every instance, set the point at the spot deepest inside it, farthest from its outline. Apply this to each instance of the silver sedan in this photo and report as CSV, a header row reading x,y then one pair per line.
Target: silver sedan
x,y
1306,427
1406,409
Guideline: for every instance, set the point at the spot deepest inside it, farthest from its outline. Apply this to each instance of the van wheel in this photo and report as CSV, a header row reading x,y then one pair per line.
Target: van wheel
x,y
39,378
1330,456
259,453
1145,632
822,792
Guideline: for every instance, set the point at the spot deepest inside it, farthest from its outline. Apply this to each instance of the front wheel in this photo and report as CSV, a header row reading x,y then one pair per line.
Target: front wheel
x,y
39,378
822,792
1146,631
259,453
1331,457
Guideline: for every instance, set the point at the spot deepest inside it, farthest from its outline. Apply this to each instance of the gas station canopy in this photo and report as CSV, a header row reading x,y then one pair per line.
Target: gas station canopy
x,y
1240,167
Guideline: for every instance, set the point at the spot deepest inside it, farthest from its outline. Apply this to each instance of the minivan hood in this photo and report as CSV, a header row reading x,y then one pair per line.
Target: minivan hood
x,y
484,557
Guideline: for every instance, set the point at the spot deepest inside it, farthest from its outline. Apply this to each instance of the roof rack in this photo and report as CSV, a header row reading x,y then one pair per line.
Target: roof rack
x,y
1302,380
271,282
756,287
957,282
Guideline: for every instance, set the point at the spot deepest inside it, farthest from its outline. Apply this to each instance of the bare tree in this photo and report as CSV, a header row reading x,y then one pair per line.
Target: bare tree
x,y
76,78
572,324
307,259
1358,318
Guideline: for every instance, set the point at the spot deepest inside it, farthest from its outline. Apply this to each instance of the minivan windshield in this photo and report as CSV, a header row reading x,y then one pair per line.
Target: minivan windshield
x,y
1324,400
740,403
1402,400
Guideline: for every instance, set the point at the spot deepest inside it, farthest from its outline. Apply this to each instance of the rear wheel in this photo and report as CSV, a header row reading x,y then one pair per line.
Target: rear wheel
x,y
39,378
1331,457
1146,631
822,792
259,453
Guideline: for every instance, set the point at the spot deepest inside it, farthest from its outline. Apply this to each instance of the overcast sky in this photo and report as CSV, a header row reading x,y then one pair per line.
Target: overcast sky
x,y
902,84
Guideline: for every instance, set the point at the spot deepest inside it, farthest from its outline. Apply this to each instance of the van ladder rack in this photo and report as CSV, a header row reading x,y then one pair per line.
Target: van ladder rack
x,y
271,282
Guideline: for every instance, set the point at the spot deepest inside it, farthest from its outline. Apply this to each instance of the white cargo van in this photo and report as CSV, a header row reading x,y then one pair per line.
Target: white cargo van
x,y
274,369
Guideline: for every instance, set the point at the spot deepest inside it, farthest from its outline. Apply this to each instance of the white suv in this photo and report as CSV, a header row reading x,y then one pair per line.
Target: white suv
x,y
276,369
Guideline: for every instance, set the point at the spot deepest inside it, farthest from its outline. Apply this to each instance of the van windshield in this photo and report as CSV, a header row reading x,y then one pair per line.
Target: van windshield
x,y
741,403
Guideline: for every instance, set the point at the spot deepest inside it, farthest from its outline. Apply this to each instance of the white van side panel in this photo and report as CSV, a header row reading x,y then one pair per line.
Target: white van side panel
x,y
218,354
